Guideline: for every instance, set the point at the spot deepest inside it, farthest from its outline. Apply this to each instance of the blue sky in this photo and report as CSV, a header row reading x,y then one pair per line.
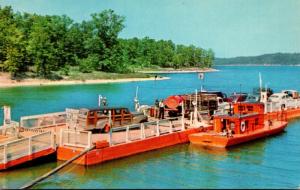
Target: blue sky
x,y
230,27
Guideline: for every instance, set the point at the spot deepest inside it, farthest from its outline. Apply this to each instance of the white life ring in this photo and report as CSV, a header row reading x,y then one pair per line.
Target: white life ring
x,y
243,126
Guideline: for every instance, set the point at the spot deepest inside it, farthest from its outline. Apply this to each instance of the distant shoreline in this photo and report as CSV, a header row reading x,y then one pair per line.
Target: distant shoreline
x,y
7,83
190,70
249,65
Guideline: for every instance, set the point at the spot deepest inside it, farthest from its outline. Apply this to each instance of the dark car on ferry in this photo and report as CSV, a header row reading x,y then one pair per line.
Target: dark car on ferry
x,y
237,97
97,118
217,93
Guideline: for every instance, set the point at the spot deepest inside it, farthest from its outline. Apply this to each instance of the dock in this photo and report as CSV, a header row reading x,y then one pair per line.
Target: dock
x,y
41,135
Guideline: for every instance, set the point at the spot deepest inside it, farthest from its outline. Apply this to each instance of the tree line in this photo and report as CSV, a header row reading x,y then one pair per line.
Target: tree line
x,y
44,43
266,59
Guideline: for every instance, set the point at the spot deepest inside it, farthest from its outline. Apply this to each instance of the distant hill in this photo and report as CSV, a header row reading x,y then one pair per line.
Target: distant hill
x,y
266,59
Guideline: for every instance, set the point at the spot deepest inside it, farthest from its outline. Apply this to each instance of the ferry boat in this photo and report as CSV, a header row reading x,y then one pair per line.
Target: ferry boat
x,y
244,124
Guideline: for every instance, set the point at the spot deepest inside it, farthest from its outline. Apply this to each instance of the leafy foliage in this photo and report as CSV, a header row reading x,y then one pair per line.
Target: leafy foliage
x,y
56,43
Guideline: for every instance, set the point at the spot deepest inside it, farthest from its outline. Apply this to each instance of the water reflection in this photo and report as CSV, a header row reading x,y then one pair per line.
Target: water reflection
x,y
219,153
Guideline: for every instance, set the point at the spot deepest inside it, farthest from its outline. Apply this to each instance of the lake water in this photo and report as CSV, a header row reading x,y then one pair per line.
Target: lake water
x,y
272,162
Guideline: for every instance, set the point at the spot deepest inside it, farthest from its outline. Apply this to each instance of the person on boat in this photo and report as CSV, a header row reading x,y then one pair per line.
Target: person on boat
x,y
230,133
104,101
161,110
270,122
156,108
232,126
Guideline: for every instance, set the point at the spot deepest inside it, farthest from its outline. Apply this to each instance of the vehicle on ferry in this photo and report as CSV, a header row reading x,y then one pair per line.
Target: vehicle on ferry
x,y
244,124
98,118
292,93
237,97
252,98
278,97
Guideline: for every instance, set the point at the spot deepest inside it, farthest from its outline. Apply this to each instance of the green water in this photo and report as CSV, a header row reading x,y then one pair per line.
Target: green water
x,y
267,163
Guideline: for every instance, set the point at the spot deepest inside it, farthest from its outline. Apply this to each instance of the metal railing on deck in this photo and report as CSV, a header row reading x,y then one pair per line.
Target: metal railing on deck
x,y
26,146
11,130
43,120
125,134
278,106
75,138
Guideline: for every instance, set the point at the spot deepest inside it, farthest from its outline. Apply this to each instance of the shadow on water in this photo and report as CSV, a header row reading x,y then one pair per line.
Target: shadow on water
x,y
18,176
110,174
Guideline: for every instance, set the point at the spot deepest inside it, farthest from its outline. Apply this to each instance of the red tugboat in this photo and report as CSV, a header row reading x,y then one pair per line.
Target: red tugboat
x,y
246,123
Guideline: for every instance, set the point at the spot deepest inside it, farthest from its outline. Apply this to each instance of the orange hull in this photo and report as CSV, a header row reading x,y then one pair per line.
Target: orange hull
x,y
215,140
100,155
24,159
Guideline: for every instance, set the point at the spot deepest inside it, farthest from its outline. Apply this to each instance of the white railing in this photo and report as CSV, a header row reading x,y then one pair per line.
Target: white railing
x,y
43,120
277,106
26,146
75,138
11,130
129,133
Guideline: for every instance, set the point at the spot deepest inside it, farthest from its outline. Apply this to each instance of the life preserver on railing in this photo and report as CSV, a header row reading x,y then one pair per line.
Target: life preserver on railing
x,y
243,126
106,128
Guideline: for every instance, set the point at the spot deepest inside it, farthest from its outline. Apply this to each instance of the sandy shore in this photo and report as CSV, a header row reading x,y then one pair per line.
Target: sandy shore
x,y
6,82
190,70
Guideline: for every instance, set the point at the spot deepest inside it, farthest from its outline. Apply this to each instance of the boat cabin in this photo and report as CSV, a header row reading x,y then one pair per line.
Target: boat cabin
x,y
246,117
237,123
249,107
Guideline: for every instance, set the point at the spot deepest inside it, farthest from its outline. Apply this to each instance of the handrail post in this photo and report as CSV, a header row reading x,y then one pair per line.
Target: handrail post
x,y
61,137
271,106
29,145
170,127
89,139
110,136
142,131
5,153
127,133
157,128
182,116
54,122
52,138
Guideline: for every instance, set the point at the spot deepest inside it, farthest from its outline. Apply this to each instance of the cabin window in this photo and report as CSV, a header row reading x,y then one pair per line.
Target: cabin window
x,y
246,124
256,121
232,125
250,108
241,108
